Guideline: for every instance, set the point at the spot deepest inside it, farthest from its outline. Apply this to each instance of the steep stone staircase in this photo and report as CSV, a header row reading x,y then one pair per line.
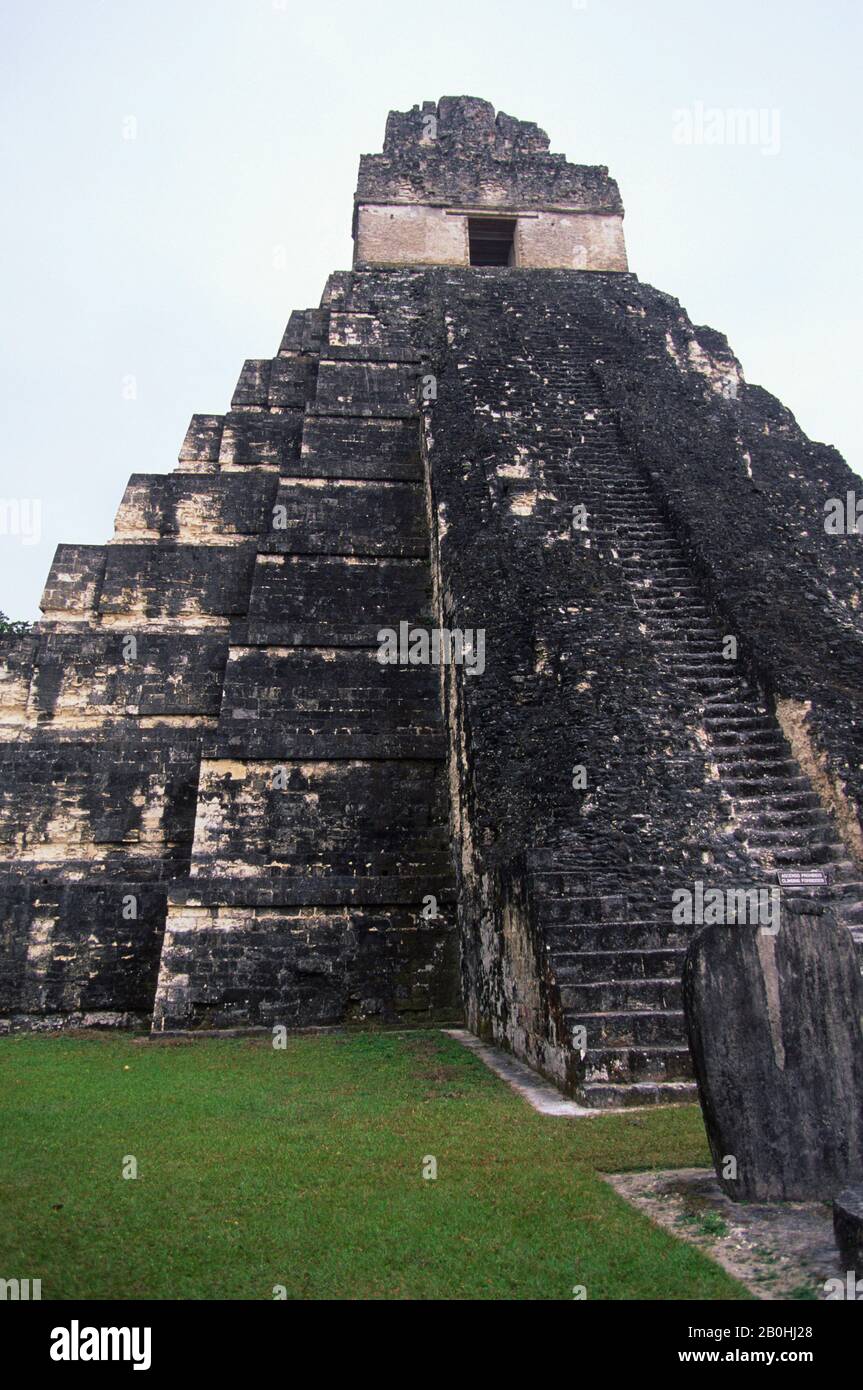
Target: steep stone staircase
x,y
617,958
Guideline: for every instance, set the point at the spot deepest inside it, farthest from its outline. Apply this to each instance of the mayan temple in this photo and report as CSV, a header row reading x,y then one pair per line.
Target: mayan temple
x,y
243,787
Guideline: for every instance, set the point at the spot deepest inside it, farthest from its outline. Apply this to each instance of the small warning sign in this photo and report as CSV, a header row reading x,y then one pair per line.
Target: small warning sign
x,y
803,878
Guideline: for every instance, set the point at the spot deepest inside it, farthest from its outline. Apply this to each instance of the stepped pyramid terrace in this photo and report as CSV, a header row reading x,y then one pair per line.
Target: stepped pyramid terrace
x,y
496,615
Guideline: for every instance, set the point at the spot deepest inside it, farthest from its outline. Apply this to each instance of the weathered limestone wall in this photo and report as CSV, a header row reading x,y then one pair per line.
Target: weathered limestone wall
x,y
570,241
405,234
394,234
74,955
297,966
348,817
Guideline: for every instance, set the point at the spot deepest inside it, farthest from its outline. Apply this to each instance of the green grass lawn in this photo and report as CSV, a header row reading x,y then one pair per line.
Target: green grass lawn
x,y
303,1168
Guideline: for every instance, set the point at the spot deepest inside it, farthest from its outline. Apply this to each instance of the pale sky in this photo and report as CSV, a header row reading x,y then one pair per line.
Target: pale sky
x,y
158,258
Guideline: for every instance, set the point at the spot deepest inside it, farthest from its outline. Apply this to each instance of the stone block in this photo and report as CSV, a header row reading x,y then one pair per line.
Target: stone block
x,y
346,817
70,947
246,967
176,581
325,702
74,582
848,1228
367,388
335,600
341,447
202,441
348,517
195,508
258,438
774,1024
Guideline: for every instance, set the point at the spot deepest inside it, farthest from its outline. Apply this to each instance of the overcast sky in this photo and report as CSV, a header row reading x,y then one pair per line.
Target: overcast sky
x,y
158,257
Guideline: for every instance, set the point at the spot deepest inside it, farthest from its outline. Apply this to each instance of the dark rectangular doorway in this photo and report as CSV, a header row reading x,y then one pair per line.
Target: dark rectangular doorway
x,y
492,240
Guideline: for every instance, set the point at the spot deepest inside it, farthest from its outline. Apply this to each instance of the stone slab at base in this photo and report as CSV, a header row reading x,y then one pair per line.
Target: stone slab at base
x,y
848,1229
774,1030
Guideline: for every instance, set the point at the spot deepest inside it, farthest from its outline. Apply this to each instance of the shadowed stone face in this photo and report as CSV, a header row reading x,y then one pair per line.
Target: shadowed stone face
x,y
774,1025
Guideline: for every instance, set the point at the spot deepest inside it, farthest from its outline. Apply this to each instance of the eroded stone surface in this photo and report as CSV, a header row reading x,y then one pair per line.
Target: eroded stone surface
x,y
774,1023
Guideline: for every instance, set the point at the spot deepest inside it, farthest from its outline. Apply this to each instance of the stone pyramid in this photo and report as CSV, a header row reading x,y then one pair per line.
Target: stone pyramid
x,y
223,808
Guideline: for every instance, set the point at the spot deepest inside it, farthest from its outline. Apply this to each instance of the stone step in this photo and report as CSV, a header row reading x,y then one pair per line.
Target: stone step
x,y
746,742
588,967
647,550
552,875
707,685
630,1028
683,597
633,513
603,1095
748,788
797,799
849,888
667,584
744,758
637,499
818,853
566,939
598,996
748,765
739,723
659,556
684,617
634,1064
667,568
742,706
787,835
852,913
690,628
659,545
809,818
701,650
651,565
662,603
633,530
707,659
697,665
722,698
689,670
